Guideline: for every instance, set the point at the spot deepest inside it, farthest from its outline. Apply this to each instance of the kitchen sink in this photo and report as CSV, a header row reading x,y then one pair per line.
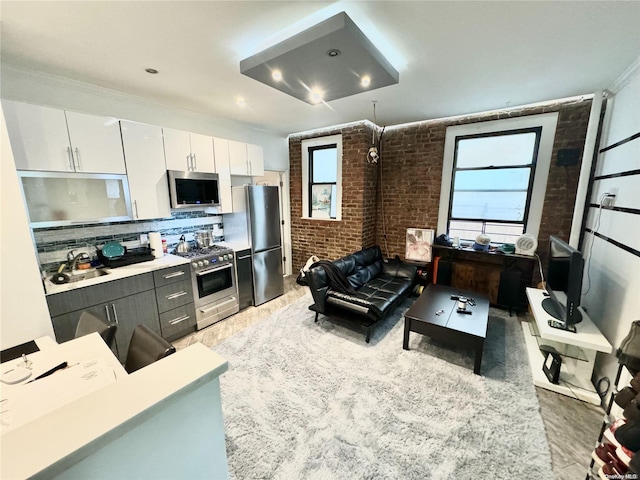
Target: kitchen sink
x,y
77,277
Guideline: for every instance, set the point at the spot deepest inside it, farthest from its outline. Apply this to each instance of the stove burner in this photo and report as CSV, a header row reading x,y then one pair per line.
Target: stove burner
x,y
205,252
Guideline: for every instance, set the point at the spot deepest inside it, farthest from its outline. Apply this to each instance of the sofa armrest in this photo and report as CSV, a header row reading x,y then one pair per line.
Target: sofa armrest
x,y
317,282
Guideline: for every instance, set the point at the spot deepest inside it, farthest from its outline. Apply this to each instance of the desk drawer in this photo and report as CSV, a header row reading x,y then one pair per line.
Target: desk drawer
x,y
174,295
178,322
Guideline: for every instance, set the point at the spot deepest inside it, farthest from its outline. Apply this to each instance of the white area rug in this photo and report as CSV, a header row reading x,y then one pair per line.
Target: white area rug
x,y
313,401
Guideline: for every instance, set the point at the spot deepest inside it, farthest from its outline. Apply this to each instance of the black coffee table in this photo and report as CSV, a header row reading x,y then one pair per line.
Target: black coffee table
x,y
435,314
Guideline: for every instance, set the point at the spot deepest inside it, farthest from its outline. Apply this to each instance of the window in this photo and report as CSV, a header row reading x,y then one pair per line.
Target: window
x,y
495,176
321,177
491,187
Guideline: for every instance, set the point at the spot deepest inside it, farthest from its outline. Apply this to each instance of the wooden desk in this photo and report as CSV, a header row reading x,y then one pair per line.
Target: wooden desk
x,y
578,351
92,365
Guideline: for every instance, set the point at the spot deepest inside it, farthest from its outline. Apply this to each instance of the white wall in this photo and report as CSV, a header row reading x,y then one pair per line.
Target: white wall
x,y
612,300
49,90
23,310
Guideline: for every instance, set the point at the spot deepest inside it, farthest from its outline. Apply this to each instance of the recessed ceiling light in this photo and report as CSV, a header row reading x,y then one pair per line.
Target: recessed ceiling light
x,y
152,71
365,81
241,102
334,52
316,95
276,75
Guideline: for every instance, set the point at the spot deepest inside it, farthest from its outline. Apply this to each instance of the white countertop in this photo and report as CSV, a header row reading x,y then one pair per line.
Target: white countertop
x,y
236,246
116,273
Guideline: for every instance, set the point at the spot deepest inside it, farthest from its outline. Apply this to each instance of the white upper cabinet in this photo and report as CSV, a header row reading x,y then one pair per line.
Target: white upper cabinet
x,y
146,171
238,158
188,152
96,143
177,150
202,153
221,149
246,158
44,138
255,158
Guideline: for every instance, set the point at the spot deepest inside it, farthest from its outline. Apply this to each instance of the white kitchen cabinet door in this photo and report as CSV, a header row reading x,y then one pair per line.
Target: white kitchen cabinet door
x,y
177,150
96,143
38,137
221,149
146,171
202,153
256,159
238,158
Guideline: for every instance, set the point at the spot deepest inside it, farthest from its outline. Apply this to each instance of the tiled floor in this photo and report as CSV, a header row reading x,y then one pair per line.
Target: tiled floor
x,y
572,426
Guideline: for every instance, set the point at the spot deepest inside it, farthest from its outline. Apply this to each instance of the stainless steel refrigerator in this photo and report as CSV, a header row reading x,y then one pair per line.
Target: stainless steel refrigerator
x,y
256,221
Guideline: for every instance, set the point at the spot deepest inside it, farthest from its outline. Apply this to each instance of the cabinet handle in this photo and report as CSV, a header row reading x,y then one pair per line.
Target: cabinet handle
x,y
70,155
190,162
106,307
248,166
135,206
179,319
195,162
174,274
175,295
115,314
78,158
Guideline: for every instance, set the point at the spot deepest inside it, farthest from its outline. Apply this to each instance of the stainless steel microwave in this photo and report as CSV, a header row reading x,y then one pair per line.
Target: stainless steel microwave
x,y
193,189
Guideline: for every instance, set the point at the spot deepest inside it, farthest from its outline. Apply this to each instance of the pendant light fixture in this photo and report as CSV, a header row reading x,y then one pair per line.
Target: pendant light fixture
x,y
372,155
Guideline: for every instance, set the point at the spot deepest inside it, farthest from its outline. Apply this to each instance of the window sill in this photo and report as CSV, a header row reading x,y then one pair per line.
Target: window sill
x,y
315,219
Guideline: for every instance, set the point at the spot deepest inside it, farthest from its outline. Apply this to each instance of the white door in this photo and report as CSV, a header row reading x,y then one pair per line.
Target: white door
x,y
96,143
255,156
38,136
177,150
146,171
202,153
221,151
238,158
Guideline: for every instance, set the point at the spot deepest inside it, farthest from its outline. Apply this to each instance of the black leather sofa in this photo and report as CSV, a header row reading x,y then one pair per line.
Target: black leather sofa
x,y
379,285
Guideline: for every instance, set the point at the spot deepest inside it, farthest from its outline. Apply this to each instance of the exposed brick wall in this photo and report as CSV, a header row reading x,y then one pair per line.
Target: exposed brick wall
x,y
333,239
409,191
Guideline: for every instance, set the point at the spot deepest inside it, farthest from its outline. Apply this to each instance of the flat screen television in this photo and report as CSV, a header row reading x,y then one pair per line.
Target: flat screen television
x,y
564,284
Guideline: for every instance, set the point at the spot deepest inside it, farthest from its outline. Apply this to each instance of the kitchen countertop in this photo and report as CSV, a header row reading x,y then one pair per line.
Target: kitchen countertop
x,y
236,246
116,273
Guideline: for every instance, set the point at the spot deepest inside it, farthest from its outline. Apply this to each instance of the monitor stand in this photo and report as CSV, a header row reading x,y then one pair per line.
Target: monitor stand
x,y
551,308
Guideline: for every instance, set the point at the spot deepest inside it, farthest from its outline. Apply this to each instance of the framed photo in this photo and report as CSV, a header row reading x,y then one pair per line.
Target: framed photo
x,y
418,244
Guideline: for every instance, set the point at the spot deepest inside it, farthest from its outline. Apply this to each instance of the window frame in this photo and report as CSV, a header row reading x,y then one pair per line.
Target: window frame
x,y
310,145
531,166
547,122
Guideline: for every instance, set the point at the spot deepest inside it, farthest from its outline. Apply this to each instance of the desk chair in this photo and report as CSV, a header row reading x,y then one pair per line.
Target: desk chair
x,y
146,347
89,323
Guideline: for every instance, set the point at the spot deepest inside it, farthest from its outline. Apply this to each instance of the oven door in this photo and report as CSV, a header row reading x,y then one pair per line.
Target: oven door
x,y
214,283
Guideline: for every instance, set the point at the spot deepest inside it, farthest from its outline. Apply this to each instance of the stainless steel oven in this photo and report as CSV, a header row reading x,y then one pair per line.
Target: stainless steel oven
x,y
213,276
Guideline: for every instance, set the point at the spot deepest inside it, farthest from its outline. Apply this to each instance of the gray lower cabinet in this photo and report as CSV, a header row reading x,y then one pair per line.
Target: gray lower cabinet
x,y
174,295
127,302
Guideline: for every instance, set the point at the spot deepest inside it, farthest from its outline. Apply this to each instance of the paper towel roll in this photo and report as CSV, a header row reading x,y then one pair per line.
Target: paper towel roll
x,y
155,242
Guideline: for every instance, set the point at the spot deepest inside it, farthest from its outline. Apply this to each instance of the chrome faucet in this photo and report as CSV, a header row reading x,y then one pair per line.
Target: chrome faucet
x,y
72,259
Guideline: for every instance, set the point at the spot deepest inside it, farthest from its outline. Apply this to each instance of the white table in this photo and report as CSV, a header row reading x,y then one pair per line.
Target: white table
x,y
578,351
91,366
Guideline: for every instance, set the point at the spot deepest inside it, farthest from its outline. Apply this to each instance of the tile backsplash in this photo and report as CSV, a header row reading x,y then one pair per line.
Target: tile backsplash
x,y
53,244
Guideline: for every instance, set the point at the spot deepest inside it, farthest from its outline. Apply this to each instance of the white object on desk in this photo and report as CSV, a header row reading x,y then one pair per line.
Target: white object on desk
x,y
14,375
578,351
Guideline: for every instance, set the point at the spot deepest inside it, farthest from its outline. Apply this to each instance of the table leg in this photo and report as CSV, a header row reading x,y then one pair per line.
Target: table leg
x,y
478,362
407,329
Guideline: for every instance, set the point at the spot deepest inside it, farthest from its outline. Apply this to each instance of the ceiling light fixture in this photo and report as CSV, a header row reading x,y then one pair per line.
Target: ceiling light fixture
x,y
316,95
152,71
326,54
276,75
372,154
365,81
241,102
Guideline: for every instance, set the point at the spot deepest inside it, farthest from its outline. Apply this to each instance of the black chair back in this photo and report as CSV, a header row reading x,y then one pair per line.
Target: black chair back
x,y
146,347
89,323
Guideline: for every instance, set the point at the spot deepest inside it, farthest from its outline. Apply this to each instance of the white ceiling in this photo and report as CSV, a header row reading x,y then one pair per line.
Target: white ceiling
x,y
453,57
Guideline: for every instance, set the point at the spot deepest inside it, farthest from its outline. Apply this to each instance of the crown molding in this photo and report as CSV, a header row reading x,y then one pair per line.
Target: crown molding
x,y
626,76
